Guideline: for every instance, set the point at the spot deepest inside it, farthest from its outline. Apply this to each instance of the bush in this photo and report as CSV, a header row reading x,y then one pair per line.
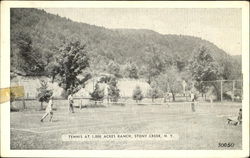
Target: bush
x,y
97,94
227,97
137,94
94,105
43,93
154,93
113,91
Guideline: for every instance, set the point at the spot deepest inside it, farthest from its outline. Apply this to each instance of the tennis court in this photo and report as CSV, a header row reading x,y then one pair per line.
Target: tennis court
x,y
203,129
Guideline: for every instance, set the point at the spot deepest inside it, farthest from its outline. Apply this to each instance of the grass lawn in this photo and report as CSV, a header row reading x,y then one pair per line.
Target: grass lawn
x,y
203,129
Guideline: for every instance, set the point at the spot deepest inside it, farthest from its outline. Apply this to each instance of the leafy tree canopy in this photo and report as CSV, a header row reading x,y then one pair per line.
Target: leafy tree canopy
x,y
43,92
97,94
137,94
69,66
37,35
170,81
204,68
131,71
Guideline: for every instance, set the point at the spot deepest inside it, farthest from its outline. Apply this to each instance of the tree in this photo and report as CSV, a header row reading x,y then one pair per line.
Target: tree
x,y
113,91
137,94
31,61
179,62
231,67
170,81
52,69
204,68
132,71
114,68
155,60
97,94
155,91
69,66
43,93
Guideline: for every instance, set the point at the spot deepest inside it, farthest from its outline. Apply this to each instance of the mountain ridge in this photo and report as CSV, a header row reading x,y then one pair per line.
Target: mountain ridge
x,y
48,31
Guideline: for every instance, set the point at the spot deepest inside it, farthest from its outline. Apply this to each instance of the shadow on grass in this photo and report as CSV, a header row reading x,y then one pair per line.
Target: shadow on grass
x,y
91,106
100,105
12,109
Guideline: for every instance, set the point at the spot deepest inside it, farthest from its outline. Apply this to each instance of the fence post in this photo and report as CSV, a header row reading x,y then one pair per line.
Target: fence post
x,y
81,104
233,90
24,106
221,91
242,90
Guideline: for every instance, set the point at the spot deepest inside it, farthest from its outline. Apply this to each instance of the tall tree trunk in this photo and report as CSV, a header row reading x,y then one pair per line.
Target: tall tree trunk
x,y
41,107
217,91
173,95
24,105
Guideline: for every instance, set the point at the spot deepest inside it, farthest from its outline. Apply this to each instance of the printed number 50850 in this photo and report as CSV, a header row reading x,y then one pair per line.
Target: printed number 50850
x,y
226,145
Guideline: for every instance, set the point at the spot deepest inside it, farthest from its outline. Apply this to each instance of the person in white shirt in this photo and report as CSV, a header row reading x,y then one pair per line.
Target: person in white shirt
x,y
71,102
48,110
240,117
192,96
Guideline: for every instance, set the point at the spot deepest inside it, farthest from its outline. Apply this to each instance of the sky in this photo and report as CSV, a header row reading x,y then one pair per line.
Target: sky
x,y
219,26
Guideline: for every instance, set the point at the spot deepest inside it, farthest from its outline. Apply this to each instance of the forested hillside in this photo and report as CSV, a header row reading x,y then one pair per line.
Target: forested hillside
x,y
37,37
